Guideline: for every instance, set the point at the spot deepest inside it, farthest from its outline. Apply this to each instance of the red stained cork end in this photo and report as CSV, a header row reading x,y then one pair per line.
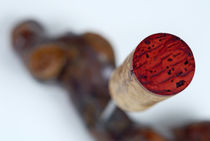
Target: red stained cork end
x,y
163,64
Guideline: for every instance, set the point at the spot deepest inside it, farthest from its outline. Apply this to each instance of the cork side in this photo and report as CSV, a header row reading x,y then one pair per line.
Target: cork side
x,y
127,92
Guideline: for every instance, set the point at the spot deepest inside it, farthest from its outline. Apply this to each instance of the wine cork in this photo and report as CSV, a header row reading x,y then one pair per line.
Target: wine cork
x,y
160,67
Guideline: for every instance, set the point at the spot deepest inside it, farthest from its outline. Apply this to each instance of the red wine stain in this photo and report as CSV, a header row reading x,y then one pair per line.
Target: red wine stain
x,y
164,64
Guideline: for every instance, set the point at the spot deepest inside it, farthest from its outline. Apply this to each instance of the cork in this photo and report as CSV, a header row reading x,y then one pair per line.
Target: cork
x,y
160,67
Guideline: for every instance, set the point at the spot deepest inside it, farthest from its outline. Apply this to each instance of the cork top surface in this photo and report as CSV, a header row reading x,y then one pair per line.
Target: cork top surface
x,y
163,64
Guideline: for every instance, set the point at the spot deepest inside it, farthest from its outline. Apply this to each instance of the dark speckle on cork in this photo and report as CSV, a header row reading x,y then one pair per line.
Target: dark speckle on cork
x,y
132,72
180,83
169,72
147,55
145,77
178,74
186,62
169,59
189,54
147,42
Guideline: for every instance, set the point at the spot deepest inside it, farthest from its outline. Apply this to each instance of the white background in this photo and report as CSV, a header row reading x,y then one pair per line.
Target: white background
x,y
31,111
